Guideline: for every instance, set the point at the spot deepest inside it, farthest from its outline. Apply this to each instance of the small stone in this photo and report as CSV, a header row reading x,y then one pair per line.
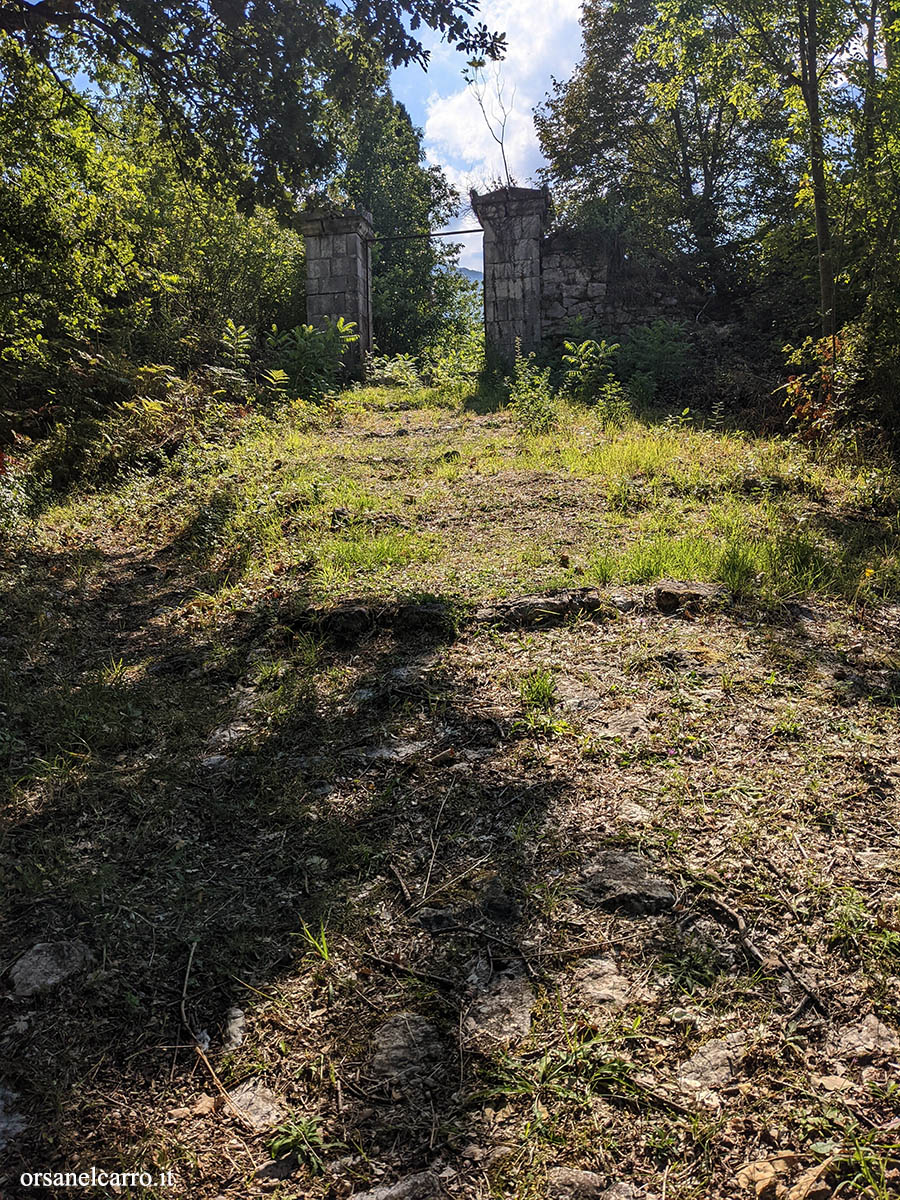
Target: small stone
x,y
537,610
396,751
279,1168
406,1046
496,904
565,1183
436,920
715,1063
623,883
346,622
47,964
259,1104
215,762
233,1033
422,1186
868,1038
598,982
634,813
501,1014
227,736
623,601
671,595
682,1016
474,1153
625,726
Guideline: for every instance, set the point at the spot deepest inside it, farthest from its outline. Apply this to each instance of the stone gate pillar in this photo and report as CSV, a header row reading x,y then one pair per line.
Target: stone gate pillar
x,y
513,220
339,271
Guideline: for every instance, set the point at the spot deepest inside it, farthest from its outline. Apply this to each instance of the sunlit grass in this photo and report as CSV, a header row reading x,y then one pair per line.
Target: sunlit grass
x,y
300,496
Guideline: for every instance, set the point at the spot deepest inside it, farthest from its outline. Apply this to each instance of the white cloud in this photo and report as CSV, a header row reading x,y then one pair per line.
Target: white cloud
x,y
543,40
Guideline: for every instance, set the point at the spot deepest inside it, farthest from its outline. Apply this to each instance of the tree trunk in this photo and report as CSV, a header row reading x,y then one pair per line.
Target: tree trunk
x,y
871,89
809,65
890,15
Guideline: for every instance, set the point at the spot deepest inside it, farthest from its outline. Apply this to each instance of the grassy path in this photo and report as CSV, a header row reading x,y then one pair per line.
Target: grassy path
x,y
500,898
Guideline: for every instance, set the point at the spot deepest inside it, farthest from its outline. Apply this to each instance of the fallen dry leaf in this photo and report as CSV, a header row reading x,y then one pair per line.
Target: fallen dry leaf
x,y
833,1083
812,1184
762,1175
202,1107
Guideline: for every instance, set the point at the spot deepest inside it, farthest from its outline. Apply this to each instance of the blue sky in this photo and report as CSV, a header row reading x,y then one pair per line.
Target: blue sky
x,y
544,42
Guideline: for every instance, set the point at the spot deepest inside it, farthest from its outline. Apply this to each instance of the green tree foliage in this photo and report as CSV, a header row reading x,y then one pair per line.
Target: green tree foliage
x,y
653,128
761,138
416,291
258,81
67,218
104,244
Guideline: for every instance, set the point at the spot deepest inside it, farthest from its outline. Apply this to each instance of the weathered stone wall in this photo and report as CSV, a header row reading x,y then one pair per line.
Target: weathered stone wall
x,y
575,281
513,220
536,285
583,279
339,272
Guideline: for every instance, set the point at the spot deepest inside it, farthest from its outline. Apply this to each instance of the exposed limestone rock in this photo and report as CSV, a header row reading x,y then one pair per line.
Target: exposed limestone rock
x,y
501,1014
623,882
406,1047
46,964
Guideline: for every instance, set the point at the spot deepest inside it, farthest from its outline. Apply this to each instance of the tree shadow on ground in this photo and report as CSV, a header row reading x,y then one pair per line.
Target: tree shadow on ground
x,y
191,804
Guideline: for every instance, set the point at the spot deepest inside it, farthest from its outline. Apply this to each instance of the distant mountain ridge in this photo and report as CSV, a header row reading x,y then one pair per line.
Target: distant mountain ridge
x,y
474,276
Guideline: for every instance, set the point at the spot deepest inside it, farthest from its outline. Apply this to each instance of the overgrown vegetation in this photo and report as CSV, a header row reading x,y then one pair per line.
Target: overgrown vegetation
x,y
751,151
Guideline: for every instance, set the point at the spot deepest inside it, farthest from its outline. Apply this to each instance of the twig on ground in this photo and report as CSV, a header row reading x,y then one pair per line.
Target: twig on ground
x,y
762,960
201,1054
184,988
403,887
425,976
498,941
435,841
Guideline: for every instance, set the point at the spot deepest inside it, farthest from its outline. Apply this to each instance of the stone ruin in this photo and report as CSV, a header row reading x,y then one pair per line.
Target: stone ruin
x,y
535,283
339,272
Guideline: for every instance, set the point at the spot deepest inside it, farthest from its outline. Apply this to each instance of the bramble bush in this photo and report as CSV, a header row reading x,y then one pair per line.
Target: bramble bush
x,y
846,387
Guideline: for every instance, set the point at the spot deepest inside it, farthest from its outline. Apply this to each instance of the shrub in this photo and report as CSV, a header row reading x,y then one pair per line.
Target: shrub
x,y
530,395
847,385
613,405
659,353
398,370
236,343
457,358
588,369
312,359
13,499
641,389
